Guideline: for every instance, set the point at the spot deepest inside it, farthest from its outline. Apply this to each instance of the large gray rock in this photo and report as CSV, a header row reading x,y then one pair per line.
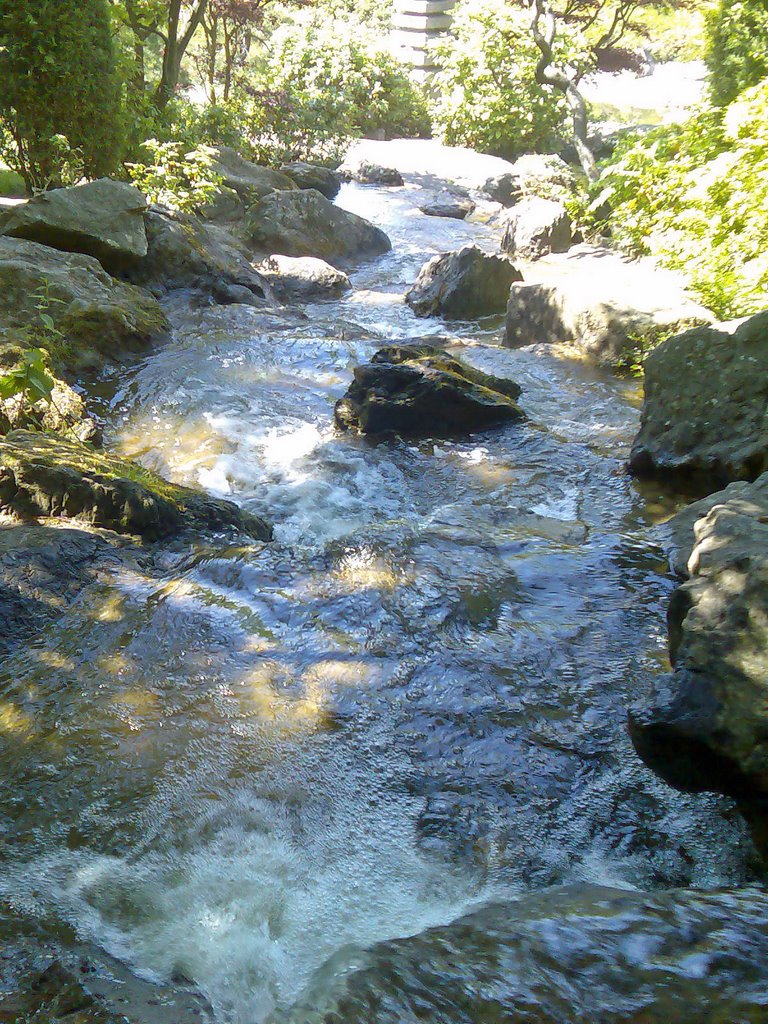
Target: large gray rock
x,y
303,278
420,391
184,252
42,475
103,218
705,413
305,223
598,301
99,316
535,227
250,181
544,175
707,726
448,203
463,285
322,179
364,172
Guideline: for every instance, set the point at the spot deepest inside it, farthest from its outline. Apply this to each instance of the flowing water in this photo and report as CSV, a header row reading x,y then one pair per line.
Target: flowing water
x,y
378,769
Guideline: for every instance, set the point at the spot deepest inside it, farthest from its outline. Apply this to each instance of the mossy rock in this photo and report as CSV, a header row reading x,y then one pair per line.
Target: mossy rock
x,y
42,475
97,317
421,391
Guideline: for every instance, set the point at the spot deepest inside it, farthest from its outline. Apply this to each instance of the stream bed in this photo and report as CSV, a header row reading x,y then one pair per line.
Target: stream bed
x,y
378,769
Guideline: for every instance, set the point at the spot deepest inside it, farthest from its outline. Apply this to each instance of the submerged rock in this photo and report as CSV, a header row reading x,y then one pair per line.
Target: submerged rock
x,y
463,285
323,179
420,391
58,980
103,219
303,277
708,723
305,223
705,413
41,475
581,954
97,316
42,570
598,301
536,227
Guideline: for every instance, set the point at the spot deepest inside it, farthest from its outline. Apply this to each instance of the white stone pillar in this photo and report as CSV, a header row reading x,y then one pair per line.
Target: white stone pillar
x,y
417,25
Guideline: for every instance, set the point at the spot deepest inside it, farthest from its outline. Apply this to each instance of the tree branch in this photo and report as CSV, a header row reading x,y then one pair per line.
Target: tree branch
x,y
547,73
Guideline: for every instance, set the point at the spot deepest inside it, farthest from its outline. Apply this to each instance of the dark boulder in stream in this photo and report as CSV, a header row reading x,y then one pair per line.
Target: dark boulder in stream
x,y
421,391
707,726
463,285
42,475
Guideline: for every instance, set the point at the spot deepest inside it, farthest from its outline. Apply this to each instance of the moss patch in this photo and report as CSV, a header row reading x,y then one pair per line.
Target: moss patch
x,y
42,475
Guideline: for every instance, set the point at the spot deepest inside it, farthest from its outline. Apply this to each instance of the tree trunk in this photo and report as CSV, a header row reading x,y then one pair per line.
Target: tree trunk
x,y
547,74
176,46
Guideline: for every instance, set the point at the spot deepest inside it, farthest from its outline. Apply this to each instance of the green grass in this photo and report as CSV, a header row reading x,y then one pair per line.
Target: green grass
x,y
11,183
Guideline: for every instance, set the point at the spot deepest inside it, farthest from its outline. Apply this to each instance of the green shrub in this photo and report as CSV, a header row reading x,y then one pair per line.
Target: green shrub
x,y
321,85
173,177
695,196
486,95
11,183
737,47
59,94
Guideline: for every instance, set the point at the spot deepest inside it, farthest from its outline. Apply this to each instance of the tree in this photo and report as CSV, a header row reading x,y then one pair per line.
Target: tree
x,y
604,24
180,29
174,23
543,29
59,93
228,27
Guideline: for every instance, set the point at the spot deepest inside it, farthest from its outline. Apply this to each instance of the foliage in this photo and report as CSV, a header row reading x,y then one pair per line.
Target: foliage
x,y
695,196
642,343
672,32
606,23
486,95
737,47
320,85
27,383
11,183
59,94
172,177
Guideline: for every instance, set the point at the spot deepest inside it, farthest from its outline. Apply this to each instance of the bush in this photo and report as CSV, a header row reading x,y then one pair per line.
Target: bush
x,y
59,94
176,178
737,47
486,95
695,196
322,85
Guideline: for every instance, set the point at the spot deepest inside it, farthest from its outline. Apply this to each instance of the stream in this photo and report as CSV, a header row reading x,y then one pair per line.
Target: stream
x,y
377,770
